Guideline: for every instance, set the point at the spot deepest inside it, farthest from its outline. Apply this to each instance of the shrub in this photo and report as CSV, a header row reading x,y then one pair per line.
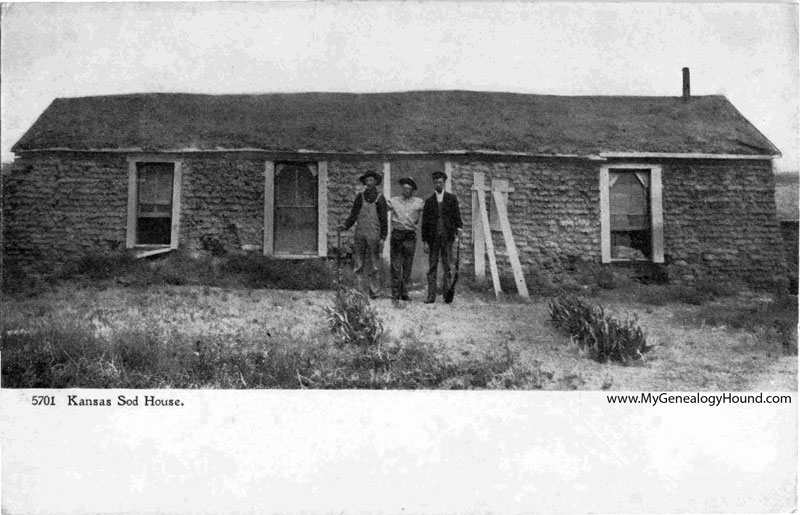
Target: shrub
x,y
605,337
353,319
103,266
595,274
257,271
179,268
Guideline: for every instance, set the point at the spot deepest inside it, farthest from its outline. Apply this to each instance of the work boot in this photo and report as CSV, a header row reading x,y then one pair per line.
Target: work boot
x,y
431,292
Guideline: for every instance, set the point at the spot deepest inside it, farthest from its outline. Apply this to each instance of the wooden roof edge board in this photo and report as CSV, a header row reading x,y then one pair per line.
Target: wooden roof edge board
x,y
690,155
192,150
602,156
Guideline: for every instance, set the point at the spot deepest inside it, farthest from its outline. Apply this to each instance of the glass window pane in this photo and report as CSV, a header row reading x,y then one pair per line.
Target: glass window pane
x,y
155,183
295,209
628,203
295,230
154,224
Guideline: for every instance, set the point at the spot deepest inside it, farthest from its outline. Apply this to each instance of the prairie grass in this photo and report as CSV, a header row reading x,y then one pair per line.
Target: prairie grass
x,y
174,337
775,319
107,335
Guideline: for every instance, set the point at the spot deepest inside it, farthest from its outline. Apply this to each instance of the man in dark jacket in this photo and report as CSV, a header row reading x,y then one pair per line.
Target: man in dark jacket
x,y
369,213
441,221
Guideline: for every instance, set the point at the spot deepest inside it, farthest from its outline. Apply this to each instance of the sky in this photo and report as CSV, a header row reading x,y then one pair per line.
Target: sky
x,y
745,51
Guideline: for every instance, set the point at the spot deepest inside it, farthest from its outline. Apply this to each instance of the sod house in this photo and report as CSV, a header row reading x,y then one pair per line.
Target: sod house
x,y
684,184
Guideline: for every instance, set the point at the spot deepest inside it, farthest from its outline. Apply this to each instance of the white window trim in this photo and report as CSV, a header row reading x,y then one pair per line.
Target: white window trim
x,y
133,197
656,212
269,212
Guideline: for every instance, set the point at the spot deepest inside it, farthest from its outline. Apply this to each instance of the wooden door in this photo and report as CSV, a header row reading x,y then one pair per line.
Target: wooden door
x,y
296,205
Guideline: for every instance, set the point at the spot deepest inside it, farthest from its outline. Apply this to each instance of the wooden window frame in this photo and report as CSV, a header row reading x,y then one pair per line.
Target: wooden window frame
x,y
269,211
133,199
656,212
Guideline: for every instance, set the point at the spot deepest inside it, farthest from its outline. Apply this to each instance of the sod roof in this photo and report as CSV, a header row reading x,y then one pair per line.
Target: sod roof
x,y
419,121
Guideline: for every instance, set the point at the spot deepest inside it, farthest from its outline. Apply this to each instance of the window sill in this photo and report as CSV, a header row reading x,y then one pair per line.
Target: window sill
x,y
295,256
143,251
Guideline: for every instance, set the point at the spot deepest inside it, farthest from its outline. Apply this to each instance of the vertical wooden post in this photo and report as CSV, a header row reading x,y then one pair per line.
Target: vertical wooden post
x,y
478,242
322,209
605,216
489,244
269,210
133,195
448,170
657,214
387,193
177,181
511,247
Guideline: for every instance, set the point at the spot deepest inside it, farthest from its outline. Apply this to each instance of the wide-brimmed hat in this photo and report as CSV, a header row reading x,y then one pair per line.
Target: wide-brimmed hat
x,y
437,175
409,181
371,173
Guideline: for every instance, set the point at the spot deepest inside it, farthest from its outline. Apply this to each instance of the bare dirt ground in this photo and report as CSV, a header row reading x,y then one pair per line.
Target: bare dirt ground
x,y
685,357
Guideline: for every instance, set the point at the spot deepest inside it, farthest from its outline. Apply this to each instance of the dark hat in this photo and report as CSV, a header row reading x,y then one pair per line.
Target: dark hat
x,y
437,174
409,181
371,173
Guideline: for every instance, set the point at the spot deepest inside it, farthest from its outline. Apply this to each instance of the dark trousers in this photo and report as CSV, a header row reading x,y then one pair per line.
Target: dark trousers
x,y
440,249
402,246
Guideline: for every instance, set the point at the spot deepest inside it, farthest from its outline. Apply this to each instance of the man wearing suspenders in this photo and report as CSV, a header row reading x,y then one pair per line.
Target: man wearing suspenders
x,y
369,214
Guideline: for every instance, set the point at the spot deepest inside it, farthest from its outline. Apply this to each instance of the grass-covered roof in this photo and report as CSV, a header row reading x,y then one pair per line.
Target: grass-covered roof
x,y
419,121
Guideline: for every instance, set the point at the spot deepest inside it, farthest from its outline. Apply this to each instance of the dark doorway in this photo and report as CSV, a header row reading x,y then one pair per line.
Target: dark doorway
x,y
421,172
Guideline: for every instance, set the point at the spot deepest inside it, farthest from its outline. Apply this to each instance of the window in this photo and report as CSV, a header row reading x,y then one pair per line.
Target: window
x,y
295,210
153,204
631,217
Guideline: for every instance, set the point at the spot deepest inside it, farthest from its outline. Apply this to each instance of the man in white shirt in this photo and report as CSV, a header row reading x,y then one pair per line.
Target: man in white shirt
x,y
406,210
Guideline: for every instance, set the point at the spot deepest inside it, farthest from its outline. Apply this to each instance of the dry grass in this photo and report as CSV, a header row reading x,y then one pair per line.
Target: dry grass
x,y
199,336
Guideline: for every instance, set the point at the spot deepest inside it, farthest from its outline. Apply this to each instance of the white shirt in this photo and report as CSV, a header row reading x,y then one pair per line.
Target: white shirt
x,y
405,213
439,196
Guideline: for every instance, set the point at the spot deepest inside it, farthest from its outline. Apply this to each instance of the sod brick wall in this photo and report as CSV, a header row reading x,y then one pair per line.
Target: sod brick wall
x,y
222,204
55,209
719,216
720,221
554,212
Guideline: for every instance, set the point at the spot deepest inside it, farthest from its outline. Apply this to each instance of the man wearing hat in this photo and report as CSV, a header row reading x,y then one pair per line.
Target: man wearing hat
x,y
369,214
405,209
441,221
